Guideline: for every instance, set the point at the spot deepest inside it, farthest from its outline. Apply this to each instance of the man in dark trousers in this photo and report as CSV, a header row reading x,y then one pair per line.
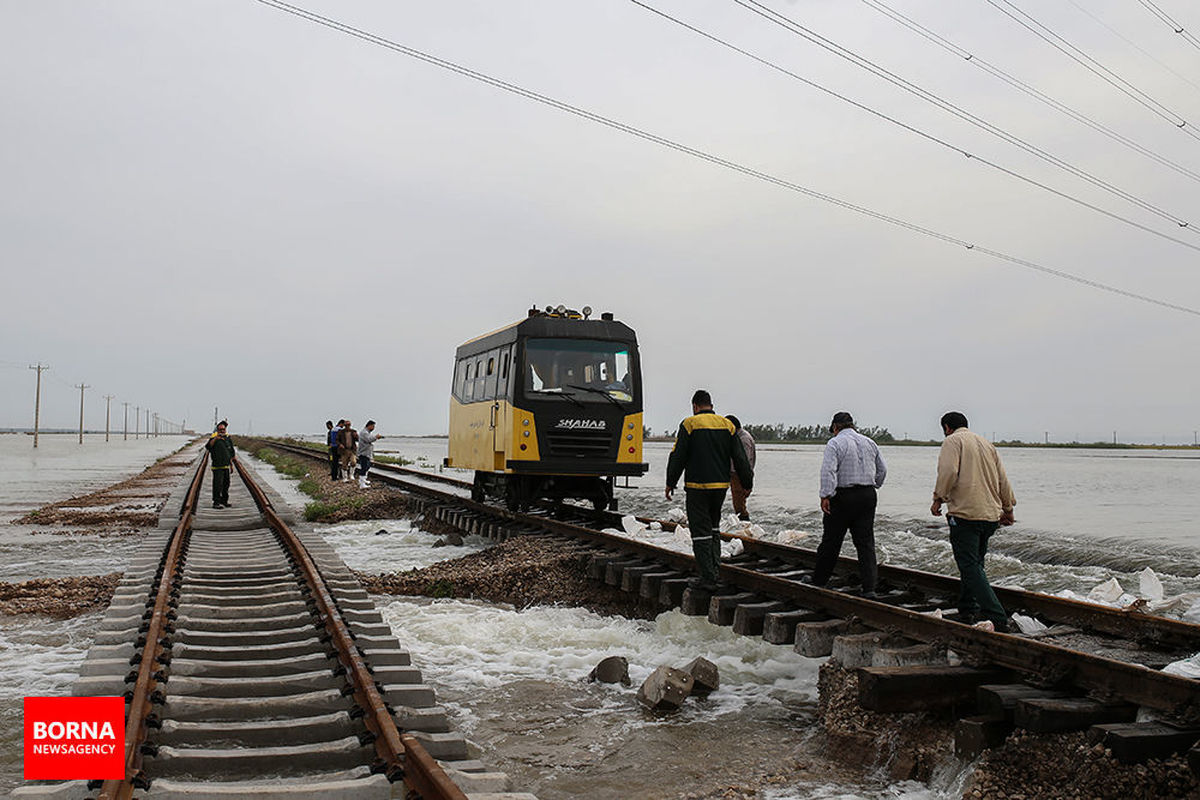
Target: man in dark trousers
x,y
851,470
331,439
704,447
220,455
979,499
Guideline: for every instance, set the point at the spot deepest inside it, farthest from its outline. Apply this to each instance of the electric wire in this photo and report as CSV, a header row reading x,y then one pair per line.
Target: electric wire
x,y
702,155
1044,33
1026,88
923,134
812,36
1135,45
1188,36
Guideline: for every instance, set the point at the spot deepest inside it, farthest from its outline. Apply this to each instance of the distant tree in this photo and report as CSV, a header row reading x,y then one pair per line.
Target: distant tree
x,y
809,433
646,432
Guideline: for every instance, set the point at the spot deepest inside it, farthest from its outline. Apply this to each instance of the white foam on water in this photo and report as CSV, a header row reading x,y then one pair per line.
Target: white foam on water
x,y
40,655
473,645
402,547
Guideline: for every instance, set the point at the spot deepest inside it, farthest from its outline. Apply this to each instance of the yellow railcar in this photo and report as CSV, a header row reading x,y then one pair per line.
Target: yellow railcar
x,y
548,408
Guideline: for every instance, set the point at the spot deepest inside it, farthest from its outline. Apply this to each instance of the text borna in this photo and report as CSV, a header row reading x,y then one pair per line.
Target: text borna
x,y
73,730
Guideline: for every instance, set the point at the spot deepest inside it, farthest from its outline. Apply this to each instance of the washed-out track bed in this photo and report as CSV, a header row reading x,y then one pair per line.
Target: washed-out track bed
x,y
1094,668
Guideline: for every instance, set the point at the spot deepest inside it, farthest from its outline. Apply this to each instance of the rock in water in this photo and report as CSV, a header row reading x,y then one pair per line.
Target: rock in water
x,y
614,669
381,532
665,689
454,539
705,677
439,543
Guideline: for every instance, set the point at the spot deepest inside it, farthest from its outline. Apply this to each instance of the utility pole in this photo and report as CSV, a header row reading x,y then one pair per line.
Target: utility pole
x,y
126,420
137,421
1047,437
147,423
81,387
37,401
216,410
156,425
1114,437
107,408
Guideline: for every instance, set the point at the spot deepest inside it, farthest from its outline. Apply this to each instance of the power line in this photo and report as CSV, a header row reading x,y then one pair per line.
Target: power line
x,y
1017,83
812,36
1188,36
1092,65
512,88
912,129
1136,46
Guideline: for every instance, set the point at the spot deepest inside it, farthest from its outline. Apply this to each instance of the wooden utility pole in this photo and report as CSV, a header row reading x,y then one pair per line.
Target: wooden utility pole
x,y
37,401
107,408
126,420
81,387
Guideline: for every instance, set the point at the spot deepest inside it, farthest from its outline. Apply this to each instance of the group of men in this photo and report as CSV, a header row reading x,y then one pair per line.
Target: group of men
x,y
712,454
344,444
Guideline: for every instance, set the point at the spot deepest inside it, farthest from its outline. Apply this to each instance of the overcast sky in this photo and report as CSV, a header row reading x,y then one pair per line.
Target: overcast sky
x,y
219,204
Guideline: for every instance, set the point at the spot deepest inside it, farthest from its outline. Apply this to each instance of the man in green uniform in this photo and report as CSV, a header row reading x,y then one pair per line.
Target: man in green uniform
x,y
220,453
704,447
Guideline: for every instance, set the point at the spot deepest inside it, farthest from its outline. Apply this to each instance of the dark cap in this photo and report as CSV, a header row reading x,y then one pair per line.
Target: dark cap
x,y
843,419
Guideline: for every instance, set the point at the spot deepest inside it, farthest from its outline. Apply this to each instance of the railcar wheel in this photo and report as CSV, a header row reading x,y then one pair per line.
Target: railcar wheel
x,y
478,494
512,496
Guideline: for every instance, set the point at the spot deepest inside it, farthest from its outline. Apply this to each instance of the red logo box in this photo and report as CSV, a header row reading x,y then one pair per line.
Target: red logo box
x,y
74,737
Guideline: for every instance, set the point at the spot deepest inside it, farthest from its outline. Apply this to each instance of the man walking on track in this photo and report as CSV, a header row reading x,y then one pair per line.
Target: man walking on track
x,y
851,472
972,483
220,453
704,447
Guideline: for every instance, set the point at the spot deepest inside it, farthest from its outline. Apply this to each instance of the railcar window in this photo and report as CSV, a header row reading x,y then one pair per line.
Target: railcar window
x,y
479,395
468,384
587,369
490,383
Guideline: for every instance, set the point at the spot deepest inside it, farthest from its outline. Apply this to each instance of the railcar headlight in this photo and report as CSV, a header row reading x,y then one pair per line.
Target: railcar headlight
x,y
526,433
526,422
631,426
629,437
561,309
587,311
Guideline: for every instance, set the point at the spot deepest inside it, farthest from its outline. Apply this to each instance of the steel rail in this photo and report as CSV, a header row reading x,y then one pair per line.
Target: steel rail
x,y
146,690
1130,624
402,757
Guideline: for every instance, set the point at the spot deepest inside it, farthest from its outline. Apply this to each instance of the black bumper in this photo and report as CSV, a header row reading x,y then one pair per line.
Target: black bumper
x,y
572,466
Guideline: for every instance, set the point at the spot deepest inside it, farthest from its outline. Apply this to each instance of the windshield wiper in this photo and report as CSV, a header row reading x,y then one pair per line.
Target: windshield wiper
x,y
600,392
564,396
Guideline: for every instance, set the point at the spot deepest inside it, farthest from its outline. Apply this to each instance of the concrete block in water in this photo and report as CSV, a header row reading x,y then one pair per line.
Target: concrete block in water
x,y
665,689
613,669
705,677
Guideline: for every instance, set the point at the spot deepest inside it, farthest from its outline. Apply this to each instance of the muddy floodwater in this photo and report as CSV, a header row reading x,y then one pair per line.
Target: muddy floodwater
x,y
514,679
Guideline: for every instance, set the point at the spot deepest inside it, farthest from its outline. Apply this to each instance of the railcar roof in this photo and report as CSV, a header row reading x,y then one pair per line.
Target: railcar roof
x,y
549,327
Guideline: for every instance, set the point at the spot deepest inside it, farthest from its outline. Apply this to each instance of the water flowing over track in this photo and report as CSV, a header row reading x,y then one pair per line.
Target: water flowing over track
x,y
254,665
1094,664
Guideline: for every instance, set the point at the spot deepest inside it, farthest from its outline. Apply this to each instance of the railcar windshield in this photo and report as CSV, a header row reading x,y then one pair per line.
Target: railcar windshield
x,y
587,369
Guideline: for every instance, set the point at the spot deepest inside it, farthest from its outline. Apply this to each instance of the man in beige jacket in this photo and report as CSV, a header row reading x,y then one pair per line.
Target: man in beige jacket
x,y
972,483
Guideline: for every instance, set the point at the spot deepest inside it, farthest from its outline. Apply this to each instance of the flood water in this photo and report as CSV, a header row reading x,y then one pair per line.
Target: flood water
x,y
513,679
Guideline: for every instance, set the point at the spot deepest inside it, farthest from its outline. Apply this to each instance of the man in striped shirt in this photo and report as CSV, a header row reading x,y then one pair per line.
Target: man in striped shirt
x,y
851,470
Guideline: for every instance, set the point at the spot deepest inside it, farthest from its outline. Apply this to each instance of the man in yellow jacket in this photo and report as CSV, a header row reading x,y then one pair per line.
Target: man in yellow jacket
x,y
972,483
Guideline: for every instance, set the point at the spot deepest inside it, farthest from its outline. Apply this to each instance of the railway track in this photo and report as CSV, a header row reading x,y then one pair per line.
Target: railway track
x,y
1093,664
254,665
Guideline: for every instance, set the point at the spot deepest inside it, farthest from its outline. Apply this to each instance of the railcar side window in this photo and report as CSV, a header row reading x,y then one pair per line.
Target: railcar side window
x,y
479,379
468,384
492,374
